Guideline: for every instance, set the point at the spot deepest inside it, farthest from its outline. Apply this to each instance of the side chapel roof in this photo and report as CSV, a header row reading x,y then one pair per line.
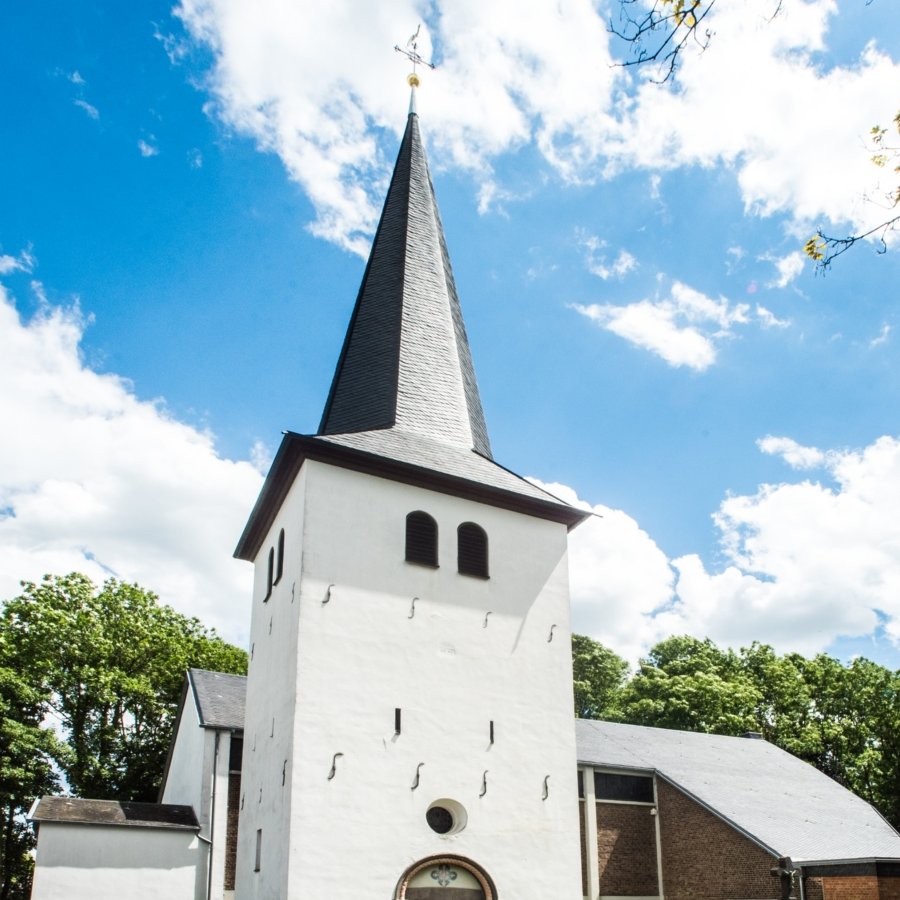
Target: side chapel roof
x,y
782,803
76,811
404,399
220,698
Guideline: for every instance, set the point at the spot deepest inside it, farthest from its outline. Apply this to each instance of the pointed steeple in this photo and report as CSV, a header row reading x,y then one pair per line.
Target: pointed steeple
x,y
406,365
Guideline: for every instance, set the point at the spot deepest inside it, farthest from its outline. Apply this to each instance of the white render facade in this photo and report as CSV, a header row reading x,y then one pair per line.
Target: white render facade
x,y
453,653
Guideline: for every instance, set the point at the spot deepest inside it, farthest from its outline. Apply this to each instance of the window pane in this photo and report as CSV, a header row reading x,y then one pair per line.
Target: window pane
x,y
421,539
636,788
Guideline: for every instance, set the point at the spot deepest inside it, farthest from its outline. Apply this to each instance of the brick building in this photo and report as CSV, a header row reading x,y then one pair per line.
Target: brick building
x,y
686,816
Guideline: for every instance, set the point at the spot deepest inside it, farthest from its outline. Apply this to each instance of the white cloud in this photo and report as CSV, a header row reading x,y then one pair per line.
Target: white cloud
x,y
95,480
498,87
747,102
596,260
511,74
147,149
794,454
91,111
24,262
768,319
789,267
682,329
806,563
882,338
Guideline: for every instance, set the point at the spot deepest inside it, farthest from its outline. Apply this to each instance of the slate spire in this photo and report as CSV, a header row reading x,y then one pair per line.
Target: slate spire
x,y
406,364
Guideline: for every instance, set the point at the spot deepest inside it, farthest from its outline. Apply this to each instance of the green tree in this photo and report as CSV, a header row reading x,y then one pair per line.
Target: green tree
x,y
26,771
598,676
692,685
108,664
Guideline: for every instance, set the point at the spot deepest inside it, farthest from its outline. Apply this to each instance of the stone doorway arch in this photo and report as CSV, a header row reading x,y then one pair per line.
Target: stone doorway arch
x,y
445,878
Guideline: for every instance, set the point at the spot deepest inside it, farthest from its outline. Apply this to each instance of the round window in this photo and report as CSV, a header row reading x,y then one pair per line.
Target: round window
x,y
446,817
439,819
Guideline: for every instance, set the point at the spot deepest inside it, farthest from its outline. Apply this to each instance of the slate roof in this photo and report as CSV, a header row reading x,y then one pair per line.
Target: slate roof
x,y
406,362
74,810
784,804
415,449
220,698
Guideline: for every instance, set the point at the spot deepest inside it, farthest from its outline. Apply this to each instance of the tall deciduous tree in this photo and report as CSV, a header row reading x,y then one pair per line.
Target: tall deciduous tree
x,y
598,675
108,665
26,771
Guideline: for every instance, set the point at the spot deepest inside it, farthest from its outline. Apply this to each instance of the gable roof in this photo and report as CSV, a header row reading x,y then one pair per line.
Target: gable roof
x,y
219,697
75,811
784,804
406,362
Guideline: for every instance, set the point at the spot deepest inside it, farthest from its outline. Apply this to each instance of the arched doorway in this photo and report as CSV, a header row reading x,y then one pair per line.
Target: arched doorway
x,y
445,878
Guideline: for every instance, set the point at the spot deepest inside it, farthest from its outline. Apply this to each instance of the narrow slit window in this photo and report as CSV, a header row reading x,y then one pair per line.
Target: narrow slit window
x,y
472,550
421,539
279,563
270,574
256,864
492,731
397,720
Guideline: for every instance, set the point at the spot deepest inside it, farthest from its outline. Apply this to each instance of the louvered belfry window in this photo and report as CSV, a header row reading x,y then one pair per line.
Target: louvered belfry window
x,y
421,539
472,550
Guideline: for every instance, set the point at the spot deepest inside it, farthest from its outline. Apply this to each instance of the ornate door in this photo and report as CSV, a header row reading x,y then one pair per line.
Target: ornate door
x,y
445,878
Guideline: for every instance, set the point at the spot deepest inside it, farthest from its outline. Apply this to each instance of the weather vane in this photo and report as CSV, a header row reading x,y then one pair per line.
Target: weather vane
x,y
412,54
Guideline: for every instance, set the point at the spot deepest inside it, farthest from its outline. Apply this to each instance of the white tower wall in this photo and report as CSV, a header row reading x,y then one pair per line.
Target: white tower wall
x,y
331,674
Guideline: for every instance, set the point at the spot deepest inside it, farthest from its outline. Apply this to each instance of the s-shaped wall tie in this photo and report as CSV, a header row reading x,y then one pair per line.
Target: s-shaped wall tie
x,y
415,784
483,784
546,787
412,609
486,618
550,637
334,760
327,594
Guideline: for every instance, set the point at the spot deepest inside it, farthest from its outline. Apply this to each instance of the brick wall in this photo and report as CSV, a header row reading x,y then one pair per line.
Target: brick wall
x,y
231,831
626,850
704,858
889,887
850,887
812,889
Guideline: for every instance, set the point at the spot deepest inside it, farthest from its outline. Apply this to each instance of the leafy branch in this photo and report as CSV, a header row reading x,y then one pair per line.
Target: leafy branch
x,y
661,33
823,249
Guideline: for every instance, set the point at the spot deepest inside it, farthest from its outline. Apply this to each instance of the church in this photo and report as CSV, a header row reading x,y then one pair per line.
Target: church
x,y
405,730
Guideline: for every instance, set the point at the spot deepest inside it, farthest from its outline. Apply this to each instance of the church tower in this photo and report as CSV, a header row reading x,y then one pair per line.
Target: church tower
x,y
409,726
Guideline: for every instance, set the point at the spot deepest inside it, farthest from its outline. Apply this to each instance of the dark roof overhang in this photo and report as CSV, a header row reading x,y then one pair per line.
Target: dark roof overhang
x,y
296,448
76,811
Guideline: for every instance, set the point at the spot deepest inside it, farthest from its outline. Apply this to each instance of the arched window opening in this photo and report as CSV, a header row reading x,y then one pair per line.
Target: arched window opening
x,y
279,563
270,574
421,539
472,550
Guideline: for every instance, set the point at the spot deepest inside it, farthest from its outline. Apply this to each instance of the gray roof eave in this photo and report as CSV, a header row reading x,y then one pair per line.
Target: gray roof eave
x,y
296,448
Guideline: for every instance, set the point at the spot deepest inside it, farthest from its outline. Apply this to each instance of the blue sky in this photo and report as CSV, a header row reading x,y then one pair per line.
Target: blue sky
x,y
185,199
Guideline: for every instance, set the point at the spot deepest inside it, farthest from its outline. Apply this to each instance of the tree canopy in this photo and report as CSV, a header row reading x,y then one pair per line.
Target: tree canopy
x,y
90,679
843,719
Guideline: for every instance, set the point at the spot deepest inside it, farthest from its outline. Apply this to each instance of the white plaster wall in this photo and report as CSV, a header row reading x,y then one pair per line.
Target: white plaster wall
x,y
217,815
271,700
188,765
361,655
112,863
